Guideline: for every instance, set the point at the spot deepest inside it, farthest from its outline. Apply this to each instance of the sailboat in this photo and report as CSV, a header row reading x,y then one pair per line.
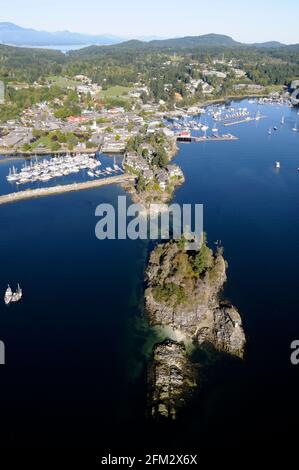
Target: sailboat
x,y
114,165
11,296
16,296
8,295
295,128
12,176
282,120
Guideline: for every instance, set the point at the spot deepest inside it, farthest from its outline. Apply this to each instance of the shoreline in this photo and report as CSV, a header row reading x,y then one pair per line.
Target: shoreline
x,y
53,190
7,154
230,98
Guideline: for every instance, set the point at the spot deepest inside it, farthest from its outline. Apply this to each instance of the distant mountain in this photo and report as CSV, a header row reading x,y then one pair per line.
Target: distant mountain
x,y
268,44
16,35
194,41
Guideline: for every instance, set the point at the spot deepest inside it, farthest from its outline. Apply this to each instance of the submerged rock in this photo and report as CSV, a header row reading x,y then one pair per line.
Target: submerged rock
x,y
171,378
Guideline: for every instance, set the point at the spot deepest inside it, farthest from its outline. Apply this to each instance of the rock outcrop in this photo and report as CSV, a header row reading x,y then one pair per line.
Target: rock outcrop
x,y
183,294
172,377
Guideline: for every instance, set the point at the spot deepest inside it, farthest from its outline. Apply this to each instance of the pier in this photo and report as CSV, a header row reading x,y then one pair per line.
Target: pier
x,y
241,121
213,138
41,192
219,138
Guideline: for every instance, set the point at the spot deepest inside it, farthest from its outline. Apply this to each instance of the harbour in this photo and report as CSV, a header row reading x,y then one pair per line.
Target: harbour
x,y
73,316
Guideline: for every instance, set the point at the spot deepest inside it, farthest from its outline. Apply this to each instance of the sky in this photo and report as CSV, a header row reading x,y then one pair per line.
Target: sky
x,y
246,21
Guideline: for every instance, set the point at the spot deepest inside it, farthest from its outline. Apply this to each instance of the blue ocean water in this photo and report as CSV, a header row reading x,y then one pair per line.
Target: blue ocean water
x,y
74,368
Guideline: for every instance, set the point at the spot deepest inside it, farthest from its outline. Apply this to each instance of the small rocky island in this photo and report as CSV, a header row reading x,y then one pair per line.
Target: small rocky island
x,y
183,298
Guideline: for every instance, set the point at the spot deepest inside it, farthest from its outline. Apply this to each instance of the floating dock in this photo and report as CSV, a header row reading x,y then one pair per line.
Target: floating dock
x,y
233,123
213,138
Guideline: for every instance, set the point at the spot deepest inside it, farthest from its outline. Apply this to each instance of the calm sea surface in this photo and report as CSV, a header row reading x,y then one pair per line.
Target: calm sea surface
x,y
75,346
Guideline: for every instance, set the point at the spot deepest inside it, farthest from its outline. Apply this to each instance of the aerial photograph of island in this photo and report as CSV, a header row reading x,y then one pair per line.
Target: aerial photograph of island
x,y
149,200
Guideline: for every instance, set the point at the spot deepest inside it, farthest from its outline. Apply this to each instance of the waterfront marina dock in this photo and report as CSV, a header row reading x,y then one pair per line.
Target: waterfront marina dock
x,y
41,192
217,138
241,121
213,138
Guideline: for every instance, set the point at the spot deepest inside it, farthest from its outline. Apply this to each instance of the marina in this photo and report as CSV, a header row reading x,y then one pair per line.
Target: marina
x,y
57,167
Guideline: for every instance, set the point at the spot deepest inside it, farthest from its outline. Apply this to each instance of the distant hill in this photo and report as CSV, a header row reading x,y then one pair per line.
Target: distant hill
x,y
194,41
206,41
13,34
269,44
16,35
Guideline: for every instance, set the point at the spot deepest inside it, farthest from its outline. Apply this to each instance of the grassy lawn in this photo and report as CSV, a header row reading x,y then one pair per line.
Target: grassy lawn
x,y
62,82
115,92
45,140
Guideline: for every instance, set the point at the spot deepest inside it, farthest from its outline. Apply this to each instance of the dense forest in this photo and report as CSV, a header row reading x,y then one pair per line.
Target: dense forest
x,y
158,64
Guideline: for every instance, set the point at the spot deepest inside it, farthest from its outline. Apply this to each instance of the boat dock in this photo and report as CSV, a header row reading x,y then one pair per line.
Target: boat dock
x,y
213,138
41,192
216,138
241,121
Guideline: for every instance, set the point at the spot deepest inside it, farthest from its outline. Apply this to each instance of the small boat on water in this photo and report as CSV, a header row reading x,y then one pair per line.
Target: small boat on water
x,y
277,164
295,128
8,295
11,296
90,173
275,128
270,131
282,120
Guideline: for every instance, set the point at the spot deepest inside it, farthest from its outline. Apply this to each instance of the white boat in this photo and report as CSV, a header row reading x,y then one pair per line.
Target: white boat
x,y
295,128
8,295
90,173
16,297
270,131
11,296
282,120
277,164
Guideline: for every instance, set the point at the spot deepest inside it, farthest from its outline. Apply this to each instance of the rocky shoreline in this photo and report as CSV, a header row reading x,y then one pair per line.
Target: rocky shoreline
x,y
188,302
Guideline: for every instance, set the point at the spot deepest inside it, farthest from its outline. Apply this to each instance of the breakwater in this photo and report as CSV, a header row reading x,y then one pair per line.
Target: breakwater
x,y
48,191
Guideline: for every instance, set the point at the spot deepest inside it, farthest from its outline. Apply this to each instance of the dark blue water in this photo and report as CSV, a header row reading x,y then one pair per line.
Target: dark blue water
x,y
75,365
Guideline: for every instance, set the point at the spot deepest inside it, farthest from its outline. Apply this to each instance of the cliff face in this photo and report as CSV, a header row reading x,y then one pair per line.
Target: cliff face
x,y
183,294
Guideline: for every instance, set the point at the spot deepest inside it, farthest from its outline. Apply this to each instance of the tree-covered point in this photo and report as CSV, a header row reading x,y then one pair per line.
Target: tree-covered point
x,y
150,145
179,269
